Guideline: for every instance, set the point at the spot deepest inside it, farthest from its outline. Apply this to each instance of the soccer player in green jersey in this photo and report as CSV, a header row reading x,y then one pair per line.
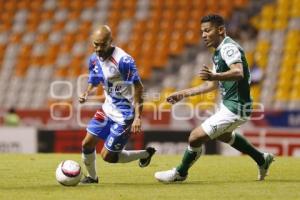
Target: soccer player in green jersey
x,y
230,74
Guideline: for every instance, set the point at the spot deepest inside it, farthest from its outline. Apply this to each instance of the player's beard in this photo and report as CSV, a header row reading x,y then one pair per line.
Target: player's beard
x,y
100,54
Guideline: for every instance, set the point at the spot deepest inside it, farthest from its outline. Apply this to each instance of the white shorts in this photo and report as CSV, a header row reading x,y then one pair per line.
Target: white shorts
x,y
221,122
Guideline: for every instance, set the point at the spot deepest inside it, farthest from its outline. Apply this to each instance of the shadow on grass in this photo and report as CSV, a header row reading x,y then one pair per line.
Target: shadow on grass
x,y
53,187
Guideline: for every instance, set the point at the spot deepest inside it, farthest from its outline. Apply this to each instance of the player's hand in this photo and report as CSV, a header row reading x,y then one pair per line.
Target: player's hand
x,y
83,97
206,74
136,126
175,97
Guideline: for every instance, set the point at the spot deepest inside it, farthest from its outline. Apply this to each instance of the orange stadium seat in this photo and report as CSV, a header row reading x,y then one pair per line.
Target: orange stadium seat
x,y
63,4
169,15
35,5
15,38
89,3
47,15
139,27
240,3
177,43
116,5
10,6
199,5
61,72
212,6
161,55
76,5
156,4
74,14
183,15
23,4
128,13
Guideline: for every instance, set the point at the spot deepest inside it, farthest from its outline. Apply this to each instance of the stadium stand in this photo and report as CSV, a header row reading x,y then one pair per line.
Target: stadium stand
x,y
42,41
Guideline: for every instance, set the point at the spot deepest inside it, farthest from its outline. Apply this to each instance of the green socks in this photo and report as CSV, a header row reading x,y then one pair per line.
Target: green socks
x,y
189,158
241,143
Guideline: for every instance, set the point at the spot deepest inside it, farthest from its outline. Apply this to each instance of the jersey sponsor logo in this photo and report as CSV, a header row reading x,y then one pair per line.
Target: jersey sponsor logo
x,y
117,146
214,128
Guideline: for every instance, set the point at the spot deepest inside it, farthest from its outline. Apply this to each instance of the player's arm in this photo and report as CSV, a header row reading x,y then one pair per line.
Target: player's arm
x,y
138,106
207,86
90,88
235,73
130,76
93,81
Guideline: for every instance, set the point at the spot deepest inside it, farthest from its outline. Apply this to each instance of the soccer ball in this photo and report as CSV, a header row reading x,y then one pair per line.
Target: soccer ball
x,y
68,173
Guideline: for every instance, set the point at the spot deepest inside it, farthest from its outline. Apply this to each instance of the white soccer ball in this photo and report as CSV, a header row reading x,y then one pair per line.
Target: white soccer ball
x,y
68,173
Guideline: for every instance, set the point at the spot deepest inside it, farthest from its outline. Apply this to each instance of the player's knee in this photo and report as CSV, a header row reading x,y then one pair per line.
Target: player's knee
x,y
86,145
194,140
226,137
197,138
110,158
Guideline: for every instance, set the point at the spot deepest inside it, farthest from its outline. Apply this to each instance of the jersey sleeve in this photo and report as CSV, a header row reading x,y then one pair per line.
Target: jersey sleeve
x,y
231,54
94,75
128,70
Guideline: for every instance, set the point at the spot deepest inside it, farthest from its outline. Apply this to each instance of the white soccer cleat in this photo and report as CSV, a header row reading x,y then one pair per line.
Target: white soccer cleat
x,y
169,176
263,170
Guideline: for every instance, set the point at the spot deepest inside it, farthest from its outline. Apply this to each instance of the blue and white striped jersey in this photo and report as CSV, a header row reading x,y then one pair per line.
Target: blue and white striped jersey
x,y
116,74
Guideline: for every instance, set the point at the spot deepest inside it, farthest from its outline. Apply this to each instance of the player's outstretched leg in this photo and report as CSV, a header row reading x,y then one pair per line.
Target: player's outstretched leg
x,y
263,160
125,156
191,155
180,173
144,156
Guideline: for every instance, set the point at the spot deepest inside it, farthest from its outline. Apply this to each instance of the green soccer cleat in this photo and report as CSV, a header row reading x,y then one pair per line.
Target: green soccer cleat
x,y
263,170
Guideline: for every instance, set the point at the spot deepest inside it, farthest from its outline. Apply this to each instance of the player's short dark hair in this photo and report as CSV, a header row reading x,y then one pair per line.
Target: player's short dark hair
x,y
215,19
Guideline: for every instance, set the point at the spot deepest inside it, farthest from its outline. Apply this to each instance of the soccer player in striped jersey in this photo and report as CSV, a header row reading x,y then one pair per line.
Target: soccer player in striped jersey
x,y
230,74
115,70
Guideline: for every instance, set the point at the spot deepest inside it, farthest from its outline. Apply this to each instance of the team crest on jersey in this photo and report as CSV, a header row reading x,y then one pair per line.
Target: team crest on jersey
x,y
230,52
127,59
216,60
112,69
96,69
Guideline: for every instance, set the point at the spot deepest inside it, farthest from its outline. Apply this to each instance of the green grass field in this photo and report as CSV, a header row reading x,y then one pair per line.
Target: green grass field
x,y
212,177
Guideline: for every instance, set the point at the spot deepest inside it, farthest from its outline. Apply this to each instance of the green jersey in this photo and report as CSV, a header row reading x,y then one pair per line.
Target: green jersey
x,y
235,94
